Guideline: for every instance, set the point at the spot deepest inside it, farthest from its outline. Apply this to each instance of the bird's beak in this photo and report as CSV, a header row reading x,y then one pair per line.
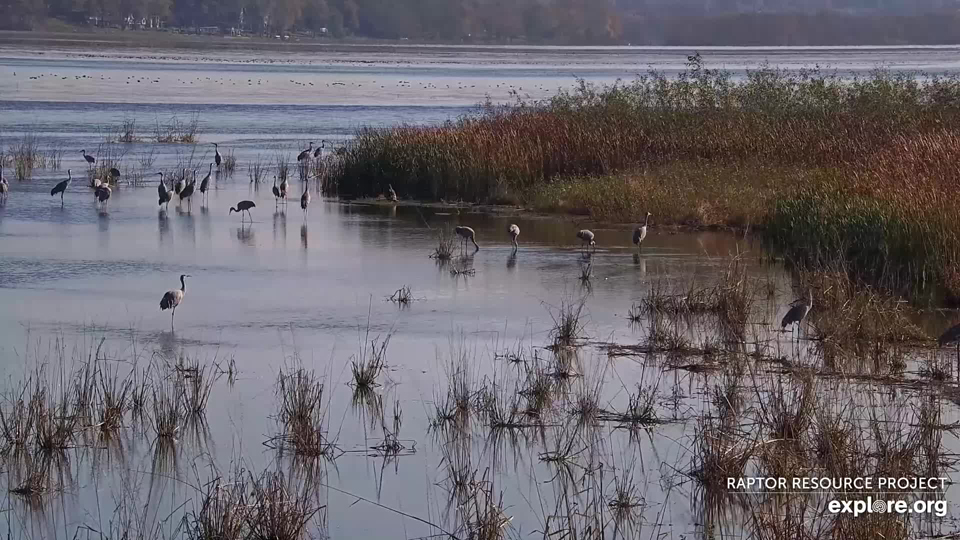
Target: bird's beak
x,y
188,275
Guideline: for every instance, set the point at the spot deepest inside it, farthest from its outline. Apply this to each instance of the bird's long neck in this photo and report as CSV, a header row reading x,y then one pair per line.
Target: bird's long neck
x,y
232,210
183,285
646,221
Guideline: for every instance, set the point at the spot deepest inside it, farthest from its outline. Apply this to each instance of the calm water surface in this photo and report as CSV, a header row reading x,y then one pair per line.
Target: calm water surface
x,y
290,288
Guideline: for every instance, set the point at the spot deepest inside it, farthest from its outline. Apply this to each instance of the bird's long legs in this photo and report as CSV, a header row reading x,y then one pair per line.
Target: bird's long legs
x,y
174,312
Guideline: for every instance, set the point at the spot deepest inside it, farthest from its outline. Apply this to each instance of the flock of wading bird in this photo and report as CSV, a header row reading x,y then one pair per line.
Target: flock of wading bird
x,y
184,190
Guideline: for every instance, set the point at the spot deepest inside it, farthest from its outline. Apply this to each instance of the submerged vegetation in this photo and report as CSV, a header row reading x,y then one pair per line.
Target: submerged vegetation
x,y
832,170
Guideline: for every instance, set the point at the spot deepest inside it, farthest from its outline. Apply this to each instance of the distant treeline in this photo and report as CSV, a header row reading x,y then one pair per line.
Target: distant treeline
x,y
639,22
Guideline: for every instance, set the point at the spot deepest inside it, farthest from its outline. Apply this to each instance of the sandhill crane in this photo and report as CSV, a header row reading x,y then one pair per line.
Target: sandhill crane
x,y
586,237
798,312
61,188
305,199
306,153
114,172
4,188
216,155
205,183
187,191
319,151
243,206
391,193
641,232
284,189
514,231
181,183
165,196
90,159
103,194
276,191
96,183
466,233
172,299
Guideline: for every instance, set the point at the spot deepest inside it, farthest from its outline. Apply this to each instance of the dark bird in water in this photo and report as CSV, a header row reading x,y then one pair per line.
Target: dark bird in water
x,y
187,191
243,206
61,188
641,232
103,193
466,234
205,183
165,196
284,189
514,231
586,237
305,199
276,190
306,153
798,312
181,183
216,155
90,159
319,151
172,299
114,172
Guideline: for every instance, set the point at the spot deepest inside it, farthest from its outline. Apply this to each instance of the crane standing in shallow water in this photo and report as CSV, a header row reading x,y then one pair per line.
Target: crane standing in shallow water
x,y
205,184
216,155
165,196
586,238
306,153
243,206
319,151
798,312
172,299
61,187
90,159
514,231
465,234
276,192
103,194
305,200
284,189
4,187
641,232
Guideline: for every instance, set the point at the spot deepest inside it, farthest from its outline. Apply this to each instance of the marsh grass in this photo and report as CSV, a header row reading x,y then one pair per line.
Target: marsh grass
x,y
256,170
127,132
370,362
402,296
445,245
26,156
176,131
282,162
229,163
302,415
568,327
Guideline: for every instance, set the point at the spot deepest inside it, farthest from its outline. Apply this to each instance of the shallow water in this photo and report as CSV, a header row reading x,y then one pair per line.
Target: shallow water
x,y
292,288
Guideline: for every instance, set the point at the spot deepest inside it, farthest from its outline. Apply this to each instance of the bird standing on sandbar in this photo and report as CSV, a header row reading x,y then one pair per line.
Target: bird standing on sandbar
x,y
641,232
243,206
61,188
465,234
172,299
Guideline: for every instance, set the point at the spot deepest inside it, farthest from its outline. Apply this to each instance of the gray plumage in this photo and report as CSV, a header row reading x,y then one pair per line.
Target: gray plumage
x,y
514,231
243,206
305,199
465,234
90,159
172,299
587,237
319,151
284,188
61,187
216,155
798,312
306,153
205,183
4,187
276,190
641,232
164,195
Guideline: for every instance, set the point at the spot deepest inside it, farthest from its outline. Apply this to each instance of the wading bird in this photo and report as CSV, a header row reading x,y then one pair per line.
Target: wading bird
x,y
216,155
305,199
172,299
187,191
641,232
284,189
181,183
4,188
466,233
90,159
95,184
514,231
114,172
62,187
319,151
276,192
243,206
306,153
103,194
798,312
586,237
165,196
205,183
391,193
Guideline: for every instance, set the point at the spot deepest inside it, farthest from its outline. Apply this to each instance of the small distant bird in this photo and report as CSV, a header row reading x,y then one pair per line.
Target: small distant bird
x,y
586,237
798,312
276,191
61,188
216,155
319,151
514,231
284,189
391,193
465,234
114,172
165,196
641,232
306,153
305,199
243,206
205,183
172,299
103,194
90,159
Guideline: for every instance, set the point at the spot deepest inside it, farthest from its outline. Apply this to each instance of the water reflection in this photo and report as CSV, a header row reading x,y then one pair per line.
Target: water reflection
x,y
512,260
280,225
245,234
303,236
